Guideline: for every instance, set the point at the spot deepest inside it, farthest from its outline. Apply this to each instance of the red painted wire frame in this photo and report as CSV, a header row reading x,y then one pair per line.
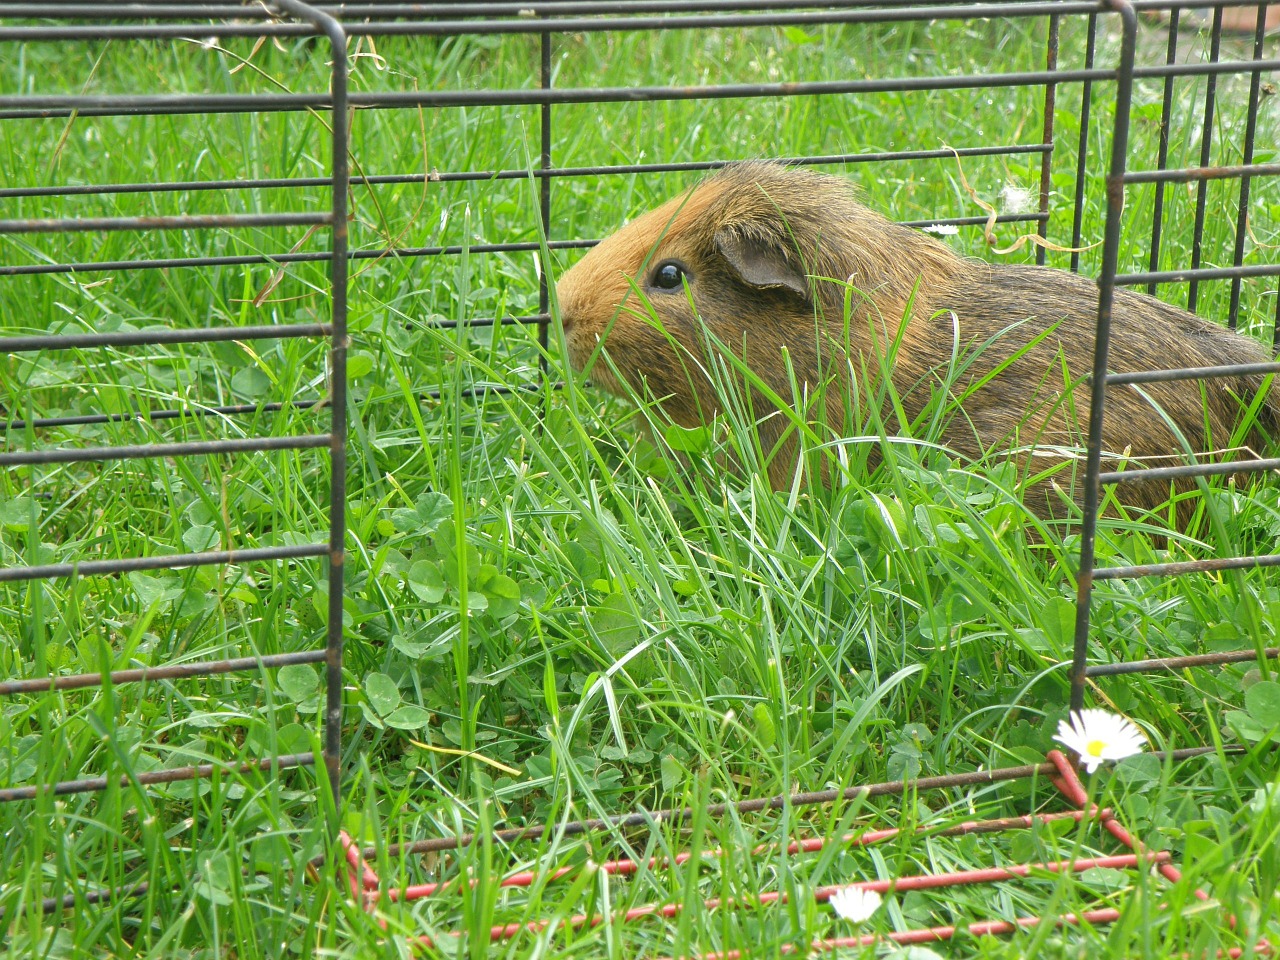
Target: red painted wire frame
x,y
822,894
364,882
1070,786
981,929
624,867
913,882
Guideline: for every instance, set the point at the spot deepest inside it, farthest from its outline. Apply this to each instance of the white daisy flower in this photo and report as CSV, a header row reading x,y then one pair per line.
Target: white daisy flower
x,y
1098,736
942,229
854,903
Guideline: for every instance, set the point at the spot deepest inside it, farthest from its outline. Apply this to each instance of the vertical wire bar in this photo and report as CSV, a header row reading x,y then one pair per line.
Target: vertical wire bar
x,y
1250,131
1082,148
338,478
1206,156
1275,327
1162,155
1102,342
544,293
1046,158
338,386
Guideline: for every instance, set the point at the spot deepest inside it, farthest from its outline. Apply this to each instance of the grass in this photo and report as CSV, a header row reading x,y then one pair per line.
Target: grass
x,y
637,635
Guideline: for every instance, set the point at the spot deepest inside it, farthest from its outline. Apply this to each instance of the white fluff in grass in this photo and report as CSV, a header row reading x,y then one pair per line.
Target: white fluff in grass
x,y
1016,198
1098,736
942,229
854,903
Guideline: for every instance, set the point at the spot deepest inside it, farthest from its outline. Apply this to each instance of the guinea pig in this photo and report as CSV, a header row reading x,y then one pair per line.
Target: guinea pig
x,y
765,256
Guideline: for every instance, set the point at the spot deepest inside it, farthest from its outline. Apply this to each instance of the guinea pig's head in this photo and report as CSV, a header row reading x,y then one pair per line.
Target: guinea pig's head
x,y
748,257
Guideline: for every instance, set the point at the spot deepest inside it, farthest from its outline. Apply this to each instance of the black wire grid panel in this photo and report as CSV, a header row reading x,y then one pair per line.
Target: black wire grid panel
x,y
22,436
1118,178
550,23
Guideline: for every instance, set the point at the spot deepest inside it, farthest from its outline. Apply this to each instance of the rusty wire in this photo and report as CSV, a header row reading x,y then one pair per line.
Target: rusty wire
x,y
294,18
331,441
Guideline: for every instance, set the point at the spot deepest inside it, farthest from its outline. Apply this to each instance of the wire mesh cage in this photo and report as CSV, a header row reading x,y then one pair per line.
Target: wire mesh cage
x,y
125,402
176,274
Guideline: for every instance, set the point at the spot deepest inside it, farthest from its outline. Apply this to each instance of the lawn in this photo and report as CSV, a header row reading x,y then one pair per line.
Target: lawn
x,y
545,619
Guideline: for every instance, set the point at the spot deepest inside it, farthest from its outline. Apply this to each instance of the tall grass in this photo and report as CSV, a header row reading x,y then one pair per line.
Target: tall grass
x,y
547,618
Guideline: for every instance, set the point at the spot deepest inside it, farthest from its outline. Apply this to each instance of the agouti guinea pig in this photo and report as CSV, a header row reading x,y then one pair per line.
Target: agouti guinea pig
x,y
768,254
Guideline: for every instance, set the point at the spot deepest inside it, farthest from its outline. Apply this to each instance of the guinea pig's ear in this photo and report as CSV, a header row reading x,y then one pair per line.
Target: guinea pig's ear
x,y
761,261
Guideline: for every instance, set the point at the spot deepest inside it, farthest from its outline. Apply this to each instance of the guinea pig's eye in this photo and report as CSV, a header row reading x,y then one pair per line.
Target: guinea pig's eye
x,y
669,276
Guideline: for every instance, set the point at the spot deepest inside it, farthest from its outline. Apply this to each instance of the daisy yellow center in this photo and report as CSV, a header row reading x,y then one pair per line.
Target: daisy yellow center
x,y
1095,748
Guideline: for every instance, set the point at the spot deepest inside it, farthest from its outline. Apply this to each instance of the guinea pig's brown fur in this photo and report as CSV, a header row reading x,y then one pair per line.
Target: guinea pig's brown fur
x,y
768,254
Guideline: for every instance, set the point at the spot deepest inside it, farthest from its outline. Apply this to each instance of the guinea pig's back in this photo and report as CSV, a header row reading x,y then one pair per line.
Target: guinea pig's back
x,y
1012,306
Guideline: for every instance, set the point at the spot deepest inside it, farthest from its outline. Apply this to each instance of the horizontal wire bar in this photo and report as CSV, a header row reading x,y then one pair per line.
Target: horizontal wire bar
x,y
46,106
195,186
485,175
967,932
1186,566
553,25
1009,871
578,827
50,106
1188,4
625,867
277,259
976,221
176,561
243,408
898,884
352,11
527,24
52,904
1193,373
73,900
530,320
398,252
1178,663
499,389
185,222
1208,68
144,415
526,878
132,338
1190,470
157,450
134,11
675,6
1193,174
179,671
684,814
176,775
505,932
1203,273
